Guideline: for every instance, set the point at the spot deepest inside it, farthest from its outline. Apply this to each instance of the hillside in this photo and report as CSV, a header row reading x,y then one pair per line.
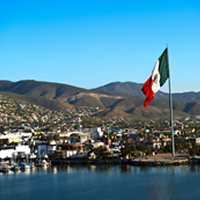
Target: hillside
x,y
131,88
56,91
39,101
132,107
112,105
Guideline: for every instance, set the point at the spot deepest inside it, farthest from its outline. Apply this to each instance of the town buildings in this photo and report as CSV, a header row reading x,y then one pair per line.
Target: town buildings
x,y
45,131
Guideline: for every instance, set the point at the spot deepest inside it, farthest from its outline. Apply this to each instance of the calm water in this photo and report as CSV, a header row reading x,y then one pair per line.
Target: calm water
x,y
102,182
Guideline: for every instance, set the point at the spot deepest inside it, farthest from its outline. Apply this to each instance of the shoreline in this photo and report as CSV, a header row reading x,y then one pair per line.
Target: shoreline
x,y
165,159
133,162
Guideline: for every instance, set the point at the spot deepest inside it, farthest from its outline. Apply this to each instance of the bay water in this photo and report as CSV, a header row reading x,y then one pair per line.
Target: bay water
x,y
105,182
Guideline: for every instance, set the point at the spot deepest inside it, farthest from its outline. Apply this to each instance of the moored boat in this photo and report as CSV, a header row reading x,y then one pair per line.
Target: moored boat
x,y
4,168
44,164
32,165
15,167
24,166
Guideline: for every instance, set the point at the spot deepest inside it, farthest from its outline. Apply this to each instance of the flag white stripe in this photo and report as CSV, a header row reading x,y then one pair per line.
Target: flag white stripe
x,y
156,77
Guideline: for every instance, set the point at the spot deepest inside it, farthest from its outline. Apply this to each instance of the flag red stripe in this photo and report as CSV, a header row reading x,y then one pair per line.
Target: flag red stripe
x,y
148,92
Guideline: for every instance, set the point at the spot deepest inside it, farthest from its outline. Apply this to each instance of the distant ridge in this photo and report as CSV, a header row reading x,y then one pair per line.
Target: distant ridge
x,y
39,101
44,89
114,100
131,88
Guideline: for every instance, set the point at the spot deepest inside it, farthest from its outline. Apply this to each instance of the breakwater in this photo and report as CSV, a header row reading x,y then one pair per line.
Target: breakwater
x,y
161,162
89,161
134,162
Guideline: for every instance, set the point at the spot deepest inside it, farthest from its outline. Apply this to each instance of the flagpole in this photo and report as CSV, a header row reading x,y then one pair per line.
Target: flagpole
x,y
171,108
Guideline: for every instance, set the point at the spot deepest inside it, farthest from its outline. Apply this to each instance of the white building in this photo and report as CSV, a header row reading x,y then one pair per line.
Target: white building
x,y
9,152
96,133
52,147
25,149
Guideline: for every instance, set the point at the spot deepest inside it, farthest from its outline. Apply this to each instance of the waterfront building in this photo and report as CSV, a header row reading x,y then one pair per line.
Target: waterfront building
x,y
70,149
11,151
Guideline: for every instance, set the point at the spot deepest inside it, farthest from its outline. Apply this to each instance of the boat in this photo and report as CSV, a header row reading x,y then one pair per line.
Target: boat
x,y
15,167
33,156
44,164
3,168
24,166
31,164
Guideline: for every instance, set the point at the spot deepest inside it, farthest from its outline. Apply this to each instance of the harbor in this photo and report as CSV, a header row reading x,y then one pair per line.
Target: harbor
x,y
156,160
102,181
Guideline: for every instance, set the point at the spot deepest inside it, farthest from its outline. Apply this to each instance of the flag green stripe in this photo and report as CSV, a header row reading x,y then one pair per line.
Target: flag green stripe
x,y
163,67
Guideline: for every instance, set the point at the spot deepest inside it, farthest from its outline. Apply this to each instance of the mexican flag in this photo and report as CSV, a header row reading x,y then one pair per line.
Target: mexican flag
x,y
157,79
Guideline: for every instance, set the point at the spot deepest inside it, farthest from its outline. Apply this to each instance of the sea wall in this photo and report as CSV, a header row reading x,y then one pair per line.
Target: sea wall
x,y
90,161
158,162
134,162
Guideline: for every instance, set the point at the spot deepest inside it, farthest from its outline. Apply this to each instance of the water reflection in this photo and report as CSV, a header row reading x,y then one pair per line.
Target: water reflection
x,y
125,168
109,169
26,171
102,182
194,168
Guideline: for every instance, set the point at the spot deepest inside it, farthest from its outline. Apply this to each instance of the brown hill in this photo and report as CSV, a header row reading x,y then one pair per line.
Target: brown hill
x,y
132,107
60,96
56,91
39,101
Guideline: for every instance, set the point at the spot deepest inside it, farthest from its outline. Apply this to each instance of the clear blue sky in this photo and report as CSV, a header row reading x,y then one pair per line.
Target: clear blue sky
x,y
91,43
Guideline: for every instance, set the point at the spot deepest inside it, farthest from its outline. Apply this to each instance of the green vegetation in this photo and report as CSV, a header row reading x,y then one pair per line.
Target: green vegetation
x,y
195,150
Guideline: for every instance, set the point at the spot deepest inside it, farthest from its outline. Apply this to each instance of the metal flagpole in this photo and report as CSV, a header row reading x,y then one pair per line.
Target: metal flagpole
x,y
171,108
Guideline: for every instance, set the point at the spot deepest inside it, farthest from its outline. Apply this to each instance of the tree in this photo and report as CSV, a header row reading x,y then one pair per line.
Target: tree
x,y
195,150
168,148
100,152
125,151
49,129
179,146
125,137
192,152
2,129
63,129
157,134
56,137
43,138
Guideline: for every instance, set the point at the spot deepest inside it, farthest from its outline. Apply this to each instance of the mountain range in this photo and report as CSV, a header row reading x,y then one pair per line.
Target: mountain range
x,y
134,89
115,99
